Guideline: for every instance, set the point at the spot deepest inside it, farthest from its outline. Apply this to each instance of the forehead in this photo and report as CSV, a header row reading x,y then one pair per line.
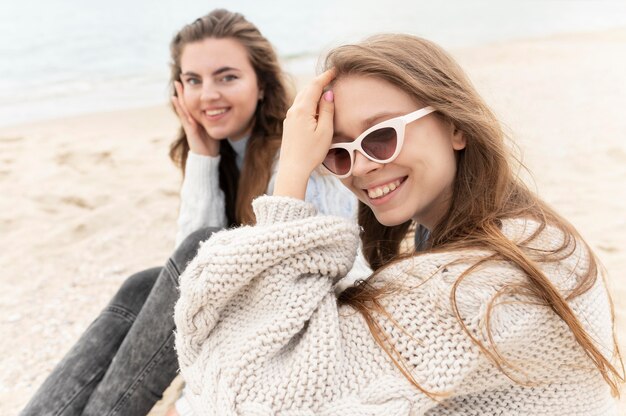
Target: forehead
x,y
360,98
210,54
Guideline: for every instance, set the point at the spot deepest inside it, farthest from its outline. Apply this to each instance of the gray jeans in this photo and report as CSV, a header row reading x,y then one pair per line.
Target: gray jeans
x,y
125,359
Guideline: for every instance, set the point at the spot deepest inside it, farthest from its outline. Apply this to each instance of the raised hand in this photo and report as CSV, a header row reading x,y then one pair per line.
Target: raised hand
x,y
199,140
307,134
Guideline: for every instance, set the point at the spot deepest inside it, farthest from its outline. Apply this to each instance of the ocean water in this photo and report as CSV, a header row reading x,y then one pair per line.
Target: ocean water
x,y
65,57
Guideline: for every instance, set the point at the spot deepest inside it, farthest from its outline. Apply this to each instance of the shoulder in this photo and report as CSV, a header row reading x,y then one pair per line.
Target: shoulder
x,y
563,257
473,296
477,278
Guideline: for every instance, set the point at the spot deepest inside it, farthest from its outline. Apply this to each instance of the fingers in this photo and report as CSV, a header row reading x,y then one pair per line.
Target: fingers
x,y
179,111
179,104
326,109
308,99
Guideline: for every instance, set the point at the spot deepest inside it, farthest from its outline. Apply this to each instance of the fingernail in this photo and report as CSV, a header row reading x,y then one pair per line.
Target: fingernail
x,y
328,96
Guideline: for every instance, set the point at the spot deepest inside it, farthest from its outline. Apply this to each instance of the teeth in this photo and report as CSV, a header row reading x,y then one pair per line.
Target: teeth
x,y
383,190
215,112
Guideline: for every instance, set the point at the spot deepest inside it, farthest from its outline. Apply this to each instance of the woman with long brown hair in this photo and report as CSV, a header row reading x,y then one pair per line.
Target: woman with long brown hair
x,y
501,309
230,95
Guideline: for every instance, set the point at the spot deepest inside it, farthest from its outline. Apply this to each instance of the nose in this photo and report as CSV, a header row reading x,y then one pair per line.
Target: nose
x,y
209,91
362,165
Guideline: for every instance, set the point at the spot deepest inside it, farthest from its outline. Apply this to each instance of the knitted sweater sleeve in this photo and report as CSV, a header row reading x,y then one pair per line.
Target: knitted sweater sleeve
x,y
329,197
259,329
201,199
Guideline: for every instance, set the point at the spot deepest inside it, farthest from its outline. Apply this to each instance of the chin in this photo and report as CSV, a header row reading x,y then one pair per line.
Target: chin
x,y
217,132
390,220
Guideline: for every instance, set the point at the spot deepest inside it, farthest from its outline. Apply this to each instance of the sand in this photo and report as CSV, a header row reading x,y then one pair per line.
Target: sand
x,y
88,200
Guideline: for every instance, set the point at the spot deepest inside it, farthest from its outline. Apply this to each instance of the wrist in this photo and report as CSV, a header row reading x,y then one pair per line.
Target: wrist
x,y
203,149
291,182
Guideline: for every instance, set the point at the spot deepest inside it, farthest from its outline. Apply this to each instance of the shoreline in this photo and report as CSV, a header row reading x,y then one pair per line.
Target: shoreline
x,y
89,199
299,68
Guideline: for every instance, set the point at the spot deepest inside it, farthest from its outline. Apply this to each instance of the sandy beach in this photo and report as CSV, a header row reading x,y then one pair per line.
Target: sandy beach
x,y
88,200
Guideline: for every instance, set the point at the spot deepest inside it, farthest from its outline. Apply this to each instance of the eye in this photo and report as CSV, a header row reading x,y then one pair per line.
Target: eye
x,y
229,78
192,81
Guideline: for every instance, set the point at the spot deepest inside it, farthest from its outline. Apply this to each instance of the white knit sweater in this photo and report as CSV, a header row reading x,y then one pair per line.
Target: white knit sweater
x,y
259,330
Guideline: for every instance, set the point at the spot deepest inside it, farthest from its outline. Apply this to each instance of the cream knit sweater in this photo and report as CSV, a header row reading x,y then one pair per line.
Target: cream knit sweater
x,y
259,330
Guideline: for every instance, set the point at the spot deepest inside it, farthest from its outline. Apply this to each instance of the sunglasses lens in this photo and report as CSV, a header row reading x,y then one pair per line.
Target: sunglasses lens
x,y
381,144
337,161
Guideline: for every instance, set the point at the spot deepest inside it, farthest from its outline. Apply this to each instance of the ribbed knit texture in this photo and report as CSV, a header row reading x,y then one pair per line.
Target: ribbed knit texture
x,y
201,198
259,330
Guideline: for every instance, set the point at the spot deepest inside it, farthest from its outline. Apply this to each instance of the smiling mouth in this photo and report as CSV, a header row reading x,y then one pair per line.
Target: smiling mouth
x,y
381,191
216,112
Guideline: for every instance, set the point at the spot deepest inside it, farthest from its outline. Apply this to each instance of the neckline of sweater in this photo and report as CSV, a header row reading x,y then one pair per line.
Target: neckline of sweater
x,y
239,146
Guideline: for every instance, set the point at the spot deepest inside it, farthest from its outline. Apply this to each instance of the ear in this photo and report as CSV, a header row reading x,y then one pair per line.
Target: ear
x,y
458,139
261,95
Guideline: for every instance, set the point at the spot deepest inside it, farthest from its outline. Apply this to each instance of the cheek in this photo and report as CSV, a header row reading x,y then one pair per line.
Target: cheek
x,y
447,163
246,95
190,98
437,152
432,165
442,172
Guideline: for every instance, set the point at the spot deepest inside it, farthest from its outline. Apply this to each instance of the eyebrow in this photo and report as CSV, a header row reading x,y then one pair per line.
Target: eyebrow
x,y
224,69
375,119
214,73
367,123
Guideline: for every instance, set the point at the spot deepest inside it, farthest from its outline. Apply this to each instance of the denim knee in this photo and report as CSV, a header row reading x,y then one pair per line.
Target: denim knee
x,y
187,250
135,290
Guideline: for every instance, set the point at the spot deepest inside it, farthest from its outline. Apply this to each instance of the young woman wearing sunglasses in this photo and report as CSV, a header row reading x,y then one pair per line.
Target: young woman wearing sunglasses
x,y
231,98
501,310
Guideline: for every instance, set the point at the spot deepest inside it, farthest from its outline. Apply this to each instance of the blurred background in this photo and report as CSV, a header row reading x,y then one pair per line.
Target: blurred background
x,y
63,57
89,195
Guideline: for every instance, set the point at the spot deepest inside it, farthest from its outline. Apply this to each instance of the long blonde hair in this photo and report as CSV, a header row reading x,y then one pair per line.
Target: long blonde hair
x,y
486,191
240,188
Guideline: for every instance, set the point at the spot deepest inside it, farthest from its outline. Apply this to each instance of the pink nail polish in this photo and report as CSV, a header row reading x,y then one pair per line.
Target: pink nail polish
x,y
328,96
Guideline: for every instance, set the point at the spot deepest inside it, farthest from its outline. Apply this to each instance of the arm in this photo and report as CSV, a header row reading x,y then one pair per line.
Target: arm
x,y
214,276
202,200
330,197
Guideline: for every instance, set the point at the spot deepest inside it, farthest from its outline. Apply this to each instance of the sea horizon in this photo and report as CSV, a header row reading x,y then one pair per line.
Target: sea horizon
x,y
66,57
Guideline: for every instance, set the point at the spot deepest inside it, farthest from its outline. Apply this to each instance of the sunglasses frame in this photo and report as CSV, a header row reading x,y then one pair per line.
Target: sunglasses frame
x,y
397,123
